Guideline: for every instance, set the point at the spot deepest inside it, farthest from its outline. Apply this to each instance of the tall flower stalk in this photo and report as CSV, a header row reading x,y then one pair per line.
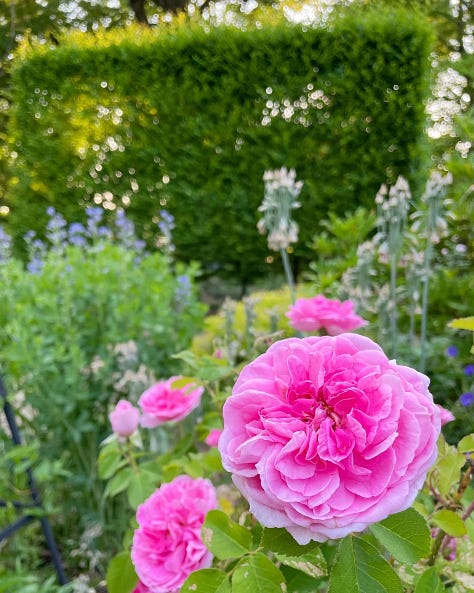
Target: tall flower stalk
x,y
392,211
280,198
430,222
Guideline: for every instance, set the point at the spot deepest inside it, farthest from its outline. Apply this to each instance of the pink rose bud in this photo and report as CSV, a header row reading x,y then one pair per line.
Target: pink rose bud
x,y
213,437
335,317
124,418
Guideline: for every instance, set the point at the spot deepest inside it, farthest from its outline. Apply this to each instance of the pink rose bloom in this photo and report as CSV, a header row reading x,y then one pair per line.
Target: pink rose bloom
x,y
325,435
213,437
446,415
163,403
124,418
141,588
167,545
336,317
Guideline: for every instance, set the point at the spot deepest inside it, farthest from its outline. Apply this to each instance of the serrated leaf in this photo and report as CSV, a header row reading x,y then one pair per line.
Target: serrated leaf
x,y
257,573
109,461
449,522
466,444
299,582
429,582
140,488
119,482
405,535
224,538
281,541
207,580
312,563
121,576
447,471
360,568
463,323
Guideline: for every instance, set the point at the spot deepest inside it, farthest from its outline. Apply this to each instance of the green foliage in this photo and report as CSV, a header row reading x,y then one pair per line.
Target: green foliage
x,y
406,535
360,568
121,577
192,119
93,326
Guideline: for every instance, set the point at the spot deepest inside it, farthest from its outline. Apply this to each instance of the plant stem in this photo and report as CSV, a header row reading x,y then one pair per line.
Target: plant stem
x,y
393,294
424,305
288,273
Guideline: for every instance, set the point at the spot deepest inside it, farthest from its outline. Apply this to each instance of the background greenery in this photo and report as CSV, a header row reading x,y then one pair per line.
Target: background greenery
x,y
190,120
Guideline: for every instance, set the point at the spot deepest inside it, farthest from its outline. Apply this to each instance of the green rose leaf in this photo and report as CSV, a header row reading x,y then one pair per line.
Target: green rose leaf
x,y
406,536
207,580
309,558
448,469
224,538
312,563
360,568
466,444
281,541
119,482
429,582
121,576
109,461
449,522
299,582
140,488
257,573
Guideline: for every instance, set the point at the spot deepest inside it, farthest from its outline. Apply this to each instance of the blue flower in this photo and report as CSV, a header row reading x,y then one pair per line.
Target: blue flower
x,y
467,399
452,351
469,370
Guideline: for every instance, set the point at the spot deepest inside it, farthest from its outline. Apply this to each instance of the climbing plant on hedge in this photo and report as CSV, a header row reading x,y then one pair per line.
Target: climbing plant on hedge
x,y
189,119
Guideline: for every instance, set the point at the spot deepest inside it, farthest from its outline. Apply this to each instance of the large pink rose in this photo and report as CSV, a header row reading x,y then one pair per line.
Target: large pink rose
x,y
167,545
336,317
124,419
325,435
164,402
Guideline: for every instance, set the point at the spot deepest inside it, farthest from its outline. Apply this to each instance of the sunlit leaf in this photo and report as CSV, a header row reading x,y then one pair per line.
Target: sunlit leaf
x,y
406,536
256,573
121,576
224,538
449,522
207,580
360,568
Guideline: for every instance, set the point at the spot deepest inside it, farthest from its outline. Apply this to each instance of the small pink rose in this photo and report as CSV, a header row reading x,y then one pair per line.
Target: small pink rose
x,y
124,418
167,546
313,314
446,415
164,402
325,435
213,437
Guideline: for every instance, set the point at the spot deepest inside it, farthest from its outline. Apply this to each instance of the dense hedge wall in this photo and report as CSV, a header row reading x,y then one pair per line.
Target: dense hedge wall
x,y
189,120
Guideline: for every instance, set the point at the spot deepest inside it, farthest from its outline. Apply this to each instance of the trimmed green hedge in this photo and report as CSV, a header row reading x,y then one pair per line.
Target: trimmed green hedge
x,y
189,120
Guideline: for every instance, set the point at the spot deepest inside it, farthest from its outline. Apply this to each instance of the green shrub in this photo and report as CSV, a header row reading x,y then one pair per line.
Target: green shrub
x,y
92,325
190,119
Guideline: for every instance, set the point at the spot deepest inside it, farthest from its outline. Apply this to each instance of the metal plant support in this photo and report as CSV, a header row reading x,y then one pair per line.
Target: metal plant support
x,y
35,496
